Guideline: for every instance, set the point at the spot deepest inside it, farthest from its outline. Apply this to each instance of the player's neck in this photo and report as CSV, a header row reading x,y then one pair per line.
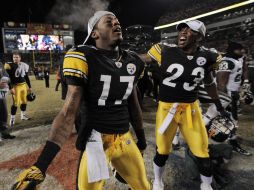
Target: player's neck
x,y
112,54
107,46
191,49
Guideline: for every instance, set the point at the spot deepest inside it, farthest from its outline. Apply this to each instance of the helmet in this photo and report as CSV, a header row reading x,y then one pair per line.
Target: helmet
x,y
30,97
220,128
248,98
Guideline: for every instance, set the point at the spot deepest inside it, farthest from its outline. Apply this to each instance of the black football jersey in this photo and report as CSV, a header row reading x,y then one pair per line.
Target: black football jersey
x,y
181,74
107,85
17,72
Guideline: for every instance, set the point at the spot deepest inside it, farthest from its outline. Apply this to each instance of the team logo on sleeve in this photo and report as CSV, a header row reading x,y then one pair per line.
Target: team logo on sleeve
x,y
131,68
201,61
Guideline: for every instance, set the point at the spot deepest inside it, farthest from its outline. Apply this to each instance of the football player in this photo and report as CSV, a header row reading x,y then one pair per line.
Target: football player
x,y
106,77
19,80
3,106
183,67
229,77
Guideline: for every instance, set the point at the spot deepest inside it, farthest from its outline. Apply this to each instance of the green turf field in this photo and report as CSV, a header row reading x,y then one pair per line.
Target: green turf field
x,y
45,107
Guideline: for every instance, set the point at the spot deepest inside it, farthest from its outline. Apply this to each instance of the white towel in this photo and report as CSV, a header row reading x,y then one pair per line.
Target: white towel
x,y
97,168
168,119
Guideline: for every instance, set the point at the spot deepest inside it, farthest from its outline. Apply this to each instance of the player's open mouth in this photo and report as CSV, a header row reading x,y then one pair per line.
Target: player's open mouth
x,y
117,30
182,39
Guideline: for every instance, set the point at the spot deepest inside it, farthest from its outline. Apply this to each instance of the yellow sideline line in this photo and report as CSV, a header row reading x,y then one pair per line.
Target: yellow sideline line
x,y
205,14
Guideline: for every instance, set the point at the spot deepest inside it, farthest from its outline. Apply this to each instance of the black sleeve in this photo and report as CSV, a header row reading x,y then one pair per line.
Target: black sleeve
x,y
71,80
27,80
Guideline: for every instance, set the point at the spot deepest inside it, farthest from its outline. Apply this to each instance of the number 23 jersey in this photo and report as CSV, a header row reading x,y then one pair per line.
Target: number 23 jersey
x,y
181,74
107,85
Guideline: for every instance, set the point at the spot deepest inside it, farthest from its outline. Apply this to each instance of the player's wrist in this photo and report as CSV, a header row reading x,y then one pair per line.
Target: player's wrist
x,y
48,153
218,105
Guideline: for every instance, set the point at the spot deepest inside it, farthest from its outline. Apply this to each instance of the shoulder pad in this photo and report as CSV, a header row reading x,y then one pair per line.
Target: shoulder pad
x,y
82,48
168,45
23,63
203,48
131,52
213,50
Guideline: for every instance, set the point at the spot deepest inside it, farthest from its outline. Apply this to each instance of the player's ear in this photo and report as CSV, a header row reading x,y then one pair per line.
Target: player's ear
x,y
199,37
94,34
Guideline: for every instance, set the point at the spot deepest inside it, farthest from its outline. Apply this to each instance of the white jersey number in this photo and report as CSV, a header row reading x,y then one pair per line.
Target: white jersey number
x,y
198,72
106,87
179,71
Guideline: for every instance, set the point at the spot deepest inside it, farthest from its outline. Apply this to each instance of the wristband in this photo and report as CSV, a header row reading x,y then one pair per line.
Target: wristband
x,y
48,153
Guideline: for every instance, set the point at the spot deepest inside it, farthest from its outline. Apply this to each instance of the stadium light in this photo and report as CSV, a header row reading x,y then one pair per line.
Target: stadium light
x,y
205,14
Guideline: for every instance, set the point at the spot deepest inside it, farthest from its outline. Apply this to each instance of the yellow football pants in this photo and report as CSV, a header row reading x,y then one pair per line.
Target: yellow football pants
x,y
124,155
194,132
20,94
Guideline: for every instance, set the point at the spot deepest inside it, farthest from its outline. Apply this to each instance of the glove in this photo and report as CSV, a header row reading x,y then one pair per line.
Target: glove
x,y
141,143
29,179
225,114
221,109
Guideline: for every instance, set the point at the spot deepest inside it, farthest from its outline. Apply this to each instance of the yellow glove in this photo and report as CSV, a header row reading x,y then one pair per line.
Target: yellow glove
x,y
29,179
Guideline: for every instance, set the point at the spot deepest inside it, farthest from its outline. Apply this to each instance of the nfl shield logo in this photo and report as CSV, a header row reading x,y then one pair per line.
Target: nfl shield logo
x,y
118,64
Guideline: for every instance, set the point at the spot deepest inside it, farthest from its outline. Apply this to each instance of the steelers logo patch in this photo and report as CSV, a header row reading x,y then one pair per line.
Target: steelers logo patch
x,y
131,68
201,61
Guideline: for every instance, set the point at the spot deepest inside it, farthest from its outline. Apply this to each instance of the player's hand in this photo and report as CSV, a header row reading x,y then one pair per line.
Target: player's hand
x,y
225,114
141,146
29,90
141,143
29,179
12,91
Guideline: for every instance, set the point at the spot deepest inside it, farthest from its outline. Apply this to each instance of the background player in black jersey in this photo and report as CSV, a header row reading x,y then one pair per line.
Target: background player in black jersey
x,y
183,67
19,80
105,76
4,88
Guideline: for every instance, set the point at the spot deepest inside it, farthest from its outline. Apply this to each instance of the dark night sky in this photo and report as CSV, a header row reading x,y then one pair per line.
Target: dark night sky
x,y
129,12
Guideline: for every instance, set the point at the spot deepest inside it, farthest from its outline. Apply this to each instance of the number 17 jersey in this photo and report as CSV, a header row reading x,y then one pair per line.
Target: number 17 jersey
x,y
108,84
181,74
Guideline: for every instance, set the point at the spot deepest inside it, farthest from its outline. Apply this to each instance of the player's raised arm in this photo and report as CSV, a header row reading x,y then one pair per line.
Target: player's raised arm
x,y
59,132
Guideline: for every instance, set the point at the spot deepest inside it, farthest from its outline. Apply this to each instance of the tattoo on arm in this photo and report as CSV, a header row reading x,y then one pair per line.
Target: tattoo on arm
x,y
64,121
